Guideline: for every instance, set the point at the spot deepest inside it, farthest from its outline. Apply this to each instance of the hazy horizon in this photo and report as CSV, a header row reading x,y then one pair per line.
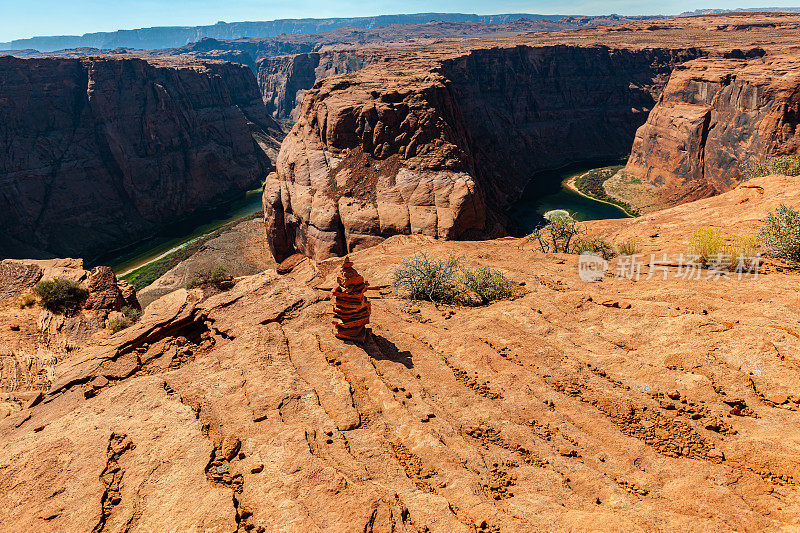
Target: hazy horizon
x,y
25,20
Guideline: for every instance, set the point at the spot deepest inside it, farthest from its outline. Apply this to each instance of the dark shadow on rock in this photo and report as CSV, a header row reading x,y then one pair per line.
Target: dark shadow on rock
x,y
383,349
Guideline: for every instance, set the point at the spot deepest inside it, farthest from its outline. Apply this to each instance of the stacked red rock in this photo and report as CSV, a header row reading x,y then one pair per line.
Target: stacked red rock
x,y
351,308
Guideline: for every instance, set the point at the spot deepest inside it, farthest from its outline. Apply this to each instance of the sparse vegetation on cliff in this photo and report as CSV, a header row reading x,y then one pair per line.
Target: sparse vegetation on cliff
x,y
129,316
132,313
705,243
711,247
487,284
563,235
628,247
219,278
447,281
781,233
426,278
595,246
60,294
785,165
27,300
118,323
557,235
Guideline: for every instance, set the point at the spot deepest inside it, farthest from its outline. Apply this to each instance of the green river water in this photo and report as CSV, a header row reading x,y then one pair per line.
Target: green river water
x,y
184,232
547,191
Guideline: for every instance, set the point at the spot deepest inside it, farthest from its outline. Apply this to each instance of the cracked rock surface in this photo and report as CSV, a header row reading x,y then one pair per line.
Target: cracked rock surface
x,y
675,410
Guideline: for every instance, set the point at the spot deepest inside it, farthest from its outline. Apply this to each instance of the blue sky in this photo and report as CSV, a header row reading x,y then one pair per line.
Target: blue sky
x,y
27,18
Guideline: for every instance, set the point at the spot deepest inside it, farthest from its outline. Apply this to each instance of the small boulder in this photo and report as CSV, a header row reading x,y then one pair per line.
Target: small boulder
x,y
288,264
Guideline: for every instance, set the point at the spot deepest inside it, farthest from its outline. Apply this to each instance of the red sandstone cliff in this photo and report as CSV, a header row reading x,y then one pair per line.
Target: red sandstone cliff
x,y
441,147
284,80
713,116
290,64
440,139
98,152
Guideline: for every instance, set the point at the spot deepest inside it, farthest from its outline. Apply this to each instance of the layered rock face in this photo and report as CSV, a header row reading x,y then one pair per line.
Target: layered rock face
x,y
171,36
98,152
527,109
714,116
442,148
284,80
289,64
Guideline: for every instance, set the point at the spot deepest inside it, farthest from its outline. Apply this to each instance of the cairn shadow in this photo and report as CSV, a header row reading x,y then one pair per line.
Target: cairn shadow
x,y
381,348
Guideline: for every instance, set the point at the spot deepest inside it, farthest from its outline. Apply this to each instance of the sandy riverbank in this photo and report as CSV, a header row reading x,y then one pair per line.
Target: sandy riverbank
x,y
571,185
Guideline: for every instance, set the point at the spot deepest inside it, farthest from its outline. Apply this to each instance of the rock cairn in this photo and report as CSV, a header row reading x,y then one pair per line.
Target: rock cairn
x,y
351,308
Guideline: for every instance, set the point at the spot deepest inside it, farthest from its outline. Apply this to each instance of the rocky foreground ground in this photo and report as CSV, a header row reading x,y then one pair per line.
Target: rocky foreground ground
x,y
613,405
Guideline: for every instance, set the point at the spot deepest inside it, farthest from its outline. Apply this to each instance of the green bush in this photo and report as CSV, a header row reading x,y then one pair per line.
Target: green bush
x,y
785,165
425,278
563,235
742,248
132,313
218,277
27,300
59,294
557,236
446,281
488,284
119,322
594,246
705,244
781,233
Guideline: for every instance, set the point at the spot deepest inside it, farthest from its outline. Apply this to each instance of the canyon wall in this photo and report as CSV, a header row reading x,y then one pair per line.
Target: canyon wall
x,y
284,80
526,109
713,117
441,148
96,153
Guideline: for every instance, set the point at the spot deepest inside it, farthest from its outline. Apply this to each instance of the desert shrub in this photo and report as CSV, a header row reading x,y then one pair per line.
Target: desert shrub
x,y
119,322
781,233
743,248
709,246
563,234
596,246
59,294
705,244
218,277
27,300
487,284
628,247
132,313
557,236
425,278
786,165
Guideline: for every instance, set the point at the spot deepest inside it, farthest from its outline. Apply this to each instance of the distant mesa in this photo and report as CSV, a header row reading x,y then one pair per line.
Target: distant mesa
x,y
176,36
